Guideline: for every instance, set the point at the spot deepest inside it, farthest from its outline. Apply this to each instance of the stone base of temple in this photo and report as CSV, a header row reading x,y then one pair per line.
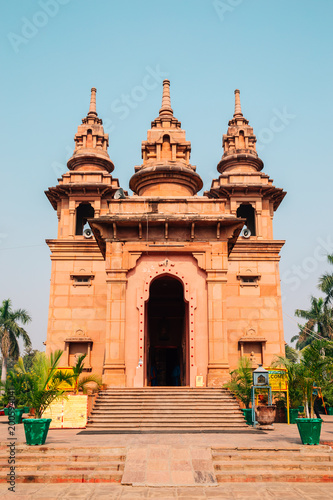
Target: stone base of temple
x,y
114,376
218,376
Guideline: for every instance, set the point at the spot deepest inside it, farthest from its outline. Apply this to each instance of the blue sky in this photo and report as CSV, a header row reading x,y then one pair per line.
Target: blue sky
x,y
278,53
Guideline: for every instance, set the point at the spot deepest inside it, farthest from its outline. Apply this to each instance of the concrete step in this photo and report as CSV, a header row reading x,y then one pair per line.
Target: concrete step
x,y
172,389
43,450
62,458
166,404
170,426
53,466
276,456
261,476
182,409
298,464
272,465
171,401
166,420
82,476
167,410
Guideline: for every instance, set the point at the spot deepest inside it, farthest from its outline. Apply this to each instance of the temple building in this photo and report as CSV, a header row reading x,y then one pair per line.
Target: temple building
x,y
164,286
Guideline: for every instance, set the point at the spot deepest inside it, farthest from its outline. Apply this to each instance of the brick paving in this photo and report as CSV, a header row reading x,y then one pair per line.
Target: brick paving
x,y
227,491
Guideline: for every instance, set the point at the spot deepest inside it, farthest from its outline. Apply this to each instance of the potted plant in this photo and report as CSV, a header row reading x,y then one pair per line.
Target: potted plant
x,y
316,370
308,427
240,385
280,403
294,389
16,391
82,383
46,388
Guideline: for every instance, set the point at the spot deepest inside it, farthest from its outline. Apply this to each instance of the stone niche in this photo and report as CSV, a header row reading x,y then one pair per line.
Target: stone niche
x,y
76,346
252,346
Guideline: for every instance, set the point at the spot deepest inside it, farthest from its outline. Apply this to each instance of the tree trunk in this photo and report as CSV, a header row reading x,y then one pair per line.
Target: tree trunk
x,y
3,373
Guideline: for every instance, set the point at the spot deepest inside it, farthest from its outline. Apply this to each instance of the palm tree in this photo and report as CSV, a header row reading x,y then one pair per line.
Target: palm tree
x,y
47,381
326,283
11,332
319,323
241,381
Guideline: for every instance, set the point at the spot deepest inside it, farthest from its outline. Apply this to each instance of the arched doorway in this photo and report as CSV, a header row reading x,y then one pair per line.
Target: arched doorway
x,y
166,346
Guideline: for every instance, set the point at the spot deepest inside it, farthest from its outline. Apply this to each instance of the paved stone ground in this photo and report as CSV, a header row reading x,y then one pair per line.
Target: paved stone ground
x,y
227,491
283,435
158,465
176,454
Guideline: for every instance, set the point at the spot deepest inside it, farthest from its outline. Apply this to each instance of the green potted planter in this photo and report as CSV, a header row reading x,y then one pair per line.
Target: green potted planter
x,y
18,412
248,415
309,430
26,409
293,415
6,410
46,386
301,409
36,430
330,410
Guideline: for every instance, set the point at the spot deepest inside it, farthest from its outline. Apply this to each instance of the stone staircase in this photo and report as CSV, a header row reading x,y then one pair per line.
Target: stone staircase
x,y
301,464
63,464
165,409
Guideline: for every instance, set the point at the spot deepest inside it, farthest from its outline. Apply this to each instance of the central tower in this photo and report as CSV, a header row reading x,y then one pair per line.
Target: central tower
x,y
166,168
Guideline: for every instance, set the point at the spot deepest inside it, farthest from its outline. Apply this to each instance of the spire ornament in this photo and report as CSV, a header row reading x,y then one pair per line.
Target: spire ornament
x,y
92,107
166,108
238,109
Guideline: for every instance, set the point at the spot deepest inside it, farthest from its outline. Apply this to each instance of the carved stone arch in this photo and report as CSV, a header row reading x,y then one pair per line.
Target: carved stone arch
x,y
189,297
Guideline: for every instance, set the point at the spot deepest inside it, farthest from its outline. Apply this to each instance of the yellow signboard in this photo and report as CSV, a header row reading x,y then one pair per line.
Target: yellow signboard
x,y
68,413
278,379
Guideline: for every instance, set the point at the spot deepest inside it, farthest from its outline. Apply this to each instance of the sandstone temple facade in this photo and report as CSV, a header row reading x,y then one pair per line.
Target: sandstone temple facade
x,y
165,286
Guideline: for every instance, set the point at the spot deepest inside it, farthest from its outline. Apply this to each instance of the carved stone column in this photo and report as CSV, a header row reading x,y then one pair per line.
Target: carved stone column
x,y
114,365
218,365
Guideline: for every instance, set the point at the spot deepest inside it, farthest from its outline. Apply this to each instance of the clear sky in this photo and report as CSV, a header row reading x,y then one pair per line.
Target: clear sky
x,y
277,52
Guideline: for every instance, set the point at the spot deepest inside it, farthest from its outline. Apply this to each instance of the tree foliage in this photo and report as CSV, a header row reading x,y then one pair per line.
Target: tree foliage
x,y
241,381
81,382
313,369
319,323
326,283
11,332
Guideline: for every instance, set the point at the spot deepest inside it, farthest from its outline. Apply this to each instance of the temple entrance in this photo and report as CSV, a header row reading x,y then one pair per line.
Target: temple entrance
x,y
166,340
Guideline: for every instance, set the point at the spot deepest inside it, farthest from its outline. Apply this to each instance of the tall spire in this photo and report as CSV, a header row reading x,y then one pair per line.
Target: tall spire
x,y
166,168
166,108
238,109
239,144
92,107
91,143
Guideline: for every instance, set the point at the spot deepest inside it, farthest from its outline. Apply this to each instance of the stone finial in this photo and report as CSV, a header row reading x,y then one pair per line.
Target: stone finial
x,y
92,107
166,108
238,109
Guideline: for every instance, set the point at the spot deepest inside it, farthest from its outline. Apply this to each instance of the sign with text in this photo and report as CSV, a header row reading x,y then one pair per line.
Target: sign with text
x,y
278,379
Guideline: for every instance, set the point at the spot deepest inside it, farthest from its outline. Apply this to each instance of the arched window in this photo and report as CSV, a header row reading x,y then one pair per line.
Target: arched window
x,y
241,140
83,212
89,143
166,148
246,211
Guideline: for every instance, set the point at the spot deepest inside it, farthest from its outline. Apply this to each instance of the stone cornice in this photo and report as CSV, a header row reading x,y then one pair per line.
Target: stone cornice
x,y
257,250
78,249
